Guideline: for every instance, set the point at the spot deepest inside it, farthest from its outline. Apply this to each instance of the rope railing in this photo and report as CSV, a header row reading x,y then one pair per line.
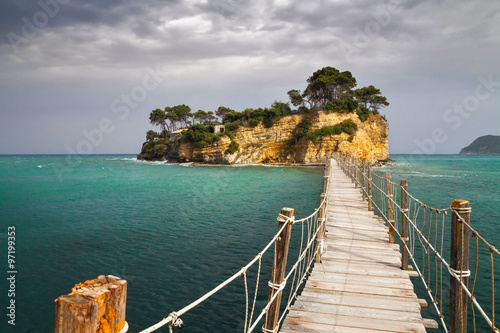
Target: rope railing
x,y
311,235
422,230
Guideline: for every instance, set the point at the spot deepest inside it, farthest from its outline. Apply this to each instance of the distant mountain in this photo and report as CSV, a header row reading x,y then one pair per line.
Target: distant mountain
x,y
484,145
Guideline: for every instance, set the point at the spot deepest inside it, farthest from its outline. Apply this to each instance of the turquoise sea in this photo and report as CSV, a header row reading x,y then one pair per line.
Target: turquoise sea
x,y
176,231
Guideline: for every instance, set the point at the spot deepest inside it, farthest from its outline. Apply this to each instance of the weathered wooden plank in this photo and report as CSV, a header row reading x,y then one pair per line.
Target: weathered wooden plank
x,y
347,268
387,260
372,312
368,264
360,301
354,248
369,290
380,299
430,323
308,327
389,282
363,245
357,322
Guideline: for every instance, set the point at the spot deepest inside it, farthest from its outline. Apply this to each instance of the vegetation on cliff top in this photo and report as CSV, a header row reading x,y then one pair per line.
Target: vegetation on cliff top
x,y
328,89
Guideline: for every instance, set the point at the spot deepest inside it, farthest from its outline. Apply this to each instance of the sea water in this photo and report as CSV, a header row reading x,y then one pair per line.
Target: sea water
x,y
173,232
176,231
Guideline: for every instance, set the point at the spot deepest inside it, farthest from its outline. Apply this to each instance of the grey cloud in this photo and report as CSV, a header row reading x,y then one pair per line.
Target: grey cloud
x,y
430,50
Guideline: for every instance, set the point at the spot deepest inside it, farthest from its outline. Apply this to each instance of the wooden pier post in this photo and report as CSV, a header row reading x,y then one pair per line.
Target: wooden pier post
x,y
404,224
353,169
355,176
364,183
370,187
390,207
322,229
278,273
93,306
459,264
325,183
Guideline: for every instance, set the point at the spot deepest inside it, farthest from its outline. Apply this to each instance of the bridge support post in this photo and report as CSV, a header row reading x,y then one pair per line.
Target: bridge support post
x,y
404,224
95,305
352,169
459,264
355,173
325,183
322,230
370,188
278,273
364,182
390,207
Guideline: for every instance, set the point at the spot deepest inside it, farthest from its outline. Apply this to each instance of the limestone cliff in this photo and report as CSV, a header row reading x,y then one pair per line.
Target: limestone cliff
x,y
267,145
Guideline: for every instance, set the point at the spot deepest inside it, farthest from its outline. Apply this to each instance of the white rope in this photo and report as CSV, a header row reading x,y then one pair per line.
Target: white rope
x,y
458,274
275,286
265,330
283,218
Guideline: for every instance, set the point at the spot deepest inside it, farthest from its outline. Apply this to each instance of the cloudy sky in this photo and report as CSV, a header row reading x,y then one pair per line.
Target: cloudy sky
x,y
82,76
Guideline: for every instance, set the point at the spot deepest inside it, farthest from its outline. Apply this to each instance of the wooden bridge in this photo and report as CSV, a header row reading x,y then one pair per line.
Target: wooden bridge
x,y
359,285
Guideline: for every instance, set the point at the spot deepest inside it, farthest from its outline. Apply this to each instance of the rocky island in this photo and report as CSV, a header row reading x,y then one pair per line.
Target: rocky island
x,y
329,116
484,145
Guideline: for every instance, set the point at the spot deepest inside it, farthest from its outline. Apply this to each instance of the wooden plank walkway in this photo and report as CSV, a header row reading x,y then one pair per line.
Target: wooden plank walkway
x,y
359,286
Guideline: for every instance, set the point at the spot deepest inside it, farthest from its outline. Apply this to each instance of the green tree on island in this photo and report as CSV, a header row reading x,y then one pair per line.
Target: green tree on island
x,y
158,117
370,97
332,89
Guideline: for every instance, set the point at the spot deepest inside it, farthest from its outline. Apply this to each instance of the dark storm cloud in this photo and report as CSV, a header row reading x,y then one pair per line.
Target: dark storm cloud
x,y
425,55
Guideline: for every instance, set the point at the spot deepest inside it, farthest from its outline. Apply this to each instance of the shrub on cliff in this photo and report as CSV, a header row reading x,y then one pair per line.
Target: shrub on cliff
x,y
342,105
233,148
232,126
363,113
303,130
151,135
199,135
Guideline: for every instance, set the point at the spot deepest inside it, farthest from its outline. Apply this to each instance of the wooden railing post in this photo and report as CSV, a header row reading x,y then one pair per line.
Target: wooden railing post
x,y
93,306
322,229
390,207
459,264
370,188
353,167
325,183
355,172
278,273
404,224
363,186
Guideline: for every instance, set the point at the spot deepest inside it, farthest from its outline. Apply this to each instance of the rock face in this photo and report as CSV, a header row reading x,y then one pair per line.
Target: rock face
x,y
484,145
267,145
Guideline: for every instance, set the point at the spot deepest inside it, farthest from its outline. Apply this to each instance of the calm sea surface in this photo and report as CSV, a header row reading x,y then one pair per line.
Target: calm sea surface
x,y
176,231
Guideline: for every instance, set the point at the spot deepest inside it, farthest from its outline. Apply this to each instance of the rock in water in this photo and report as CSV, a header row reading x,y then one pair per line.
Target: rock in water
x,y
484,145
